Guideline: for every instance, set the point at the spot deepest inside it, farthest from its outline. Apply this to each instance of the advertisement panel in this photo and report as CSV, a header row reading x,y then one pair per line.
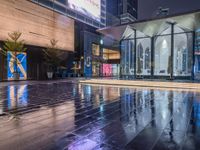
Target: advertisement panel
x,y
21,65
90,8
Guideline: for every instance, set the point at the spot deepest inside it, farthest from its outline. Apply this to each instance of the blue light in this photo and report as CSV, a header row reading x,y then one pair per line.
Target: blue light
x,y
21,65
101,42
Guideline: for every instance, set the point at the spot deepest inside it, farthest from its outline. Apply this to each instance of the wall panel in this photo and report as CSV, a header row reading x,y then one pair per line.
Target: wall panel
x,y
37,24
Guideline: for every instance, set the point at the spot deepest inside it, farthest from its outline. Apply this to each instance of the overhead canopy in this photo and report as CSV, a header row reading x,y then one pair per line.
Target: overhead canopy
x,y
188,21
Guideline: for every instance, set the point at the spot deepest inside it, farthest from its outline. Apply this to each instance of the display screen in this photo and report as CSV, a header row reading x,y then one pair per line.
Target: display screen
x,y
90,8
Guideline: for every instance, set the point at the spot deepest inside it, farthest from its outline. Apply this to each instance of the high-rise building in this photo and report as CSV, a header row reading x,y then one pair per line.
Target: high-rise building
x,y
121,11
128,10
112,12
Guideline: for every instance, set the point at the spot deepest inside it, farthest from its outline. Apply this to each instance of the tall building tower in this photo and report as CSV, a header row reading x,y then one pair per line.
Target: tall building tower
x,y
121,11
112,12
128,10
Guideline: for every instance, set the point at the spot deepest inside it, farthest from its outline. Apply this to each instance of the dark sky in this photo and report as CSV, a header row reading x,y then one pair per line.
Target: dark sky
x,y
147,8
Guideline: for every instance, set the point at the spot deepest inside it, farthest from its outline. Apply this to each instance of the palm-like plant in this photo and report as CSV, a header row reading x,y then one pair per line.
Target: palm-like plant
x,y
13,45
51,56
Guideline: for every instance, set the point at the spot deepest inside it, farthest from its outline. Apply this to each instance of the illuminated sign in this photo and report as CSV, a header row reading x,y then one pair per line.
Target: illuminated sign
x,y
90,8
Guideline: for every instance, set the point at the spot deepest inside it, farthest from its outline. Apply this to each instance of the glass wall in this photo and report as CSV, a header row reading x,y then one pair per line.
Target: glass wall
x,y
162,55
167,60
197,55
143,56
127,55
183,55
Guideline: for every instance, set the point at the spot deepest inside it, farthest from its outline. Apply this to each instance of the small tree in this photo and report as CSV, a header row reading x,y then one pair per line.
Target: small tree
x,y
13,45
51,56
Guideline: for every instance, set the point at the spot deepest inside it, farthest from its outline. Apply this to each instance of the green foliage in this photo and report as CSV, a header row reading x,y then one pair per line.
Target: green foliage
x,y
13,43
51,55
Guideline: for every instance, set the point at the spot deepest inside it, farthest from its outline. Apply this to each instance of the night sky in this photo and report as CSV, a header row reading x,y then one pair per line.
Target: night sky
x,y
147,8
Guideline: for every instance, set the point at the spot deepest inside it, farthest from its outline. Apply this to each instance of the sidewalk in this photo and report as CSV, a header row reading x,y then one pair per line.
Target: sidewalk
x,y
146,83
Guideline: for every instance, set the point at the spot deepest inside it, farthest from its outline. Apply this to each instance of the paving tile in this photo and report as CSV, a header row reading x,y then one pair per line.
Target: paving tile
x,y
58,115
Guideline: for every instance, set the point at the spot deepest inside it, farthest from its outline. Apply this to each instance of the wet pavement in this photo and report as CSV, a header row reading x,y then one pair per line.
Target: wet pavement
x,y
65,115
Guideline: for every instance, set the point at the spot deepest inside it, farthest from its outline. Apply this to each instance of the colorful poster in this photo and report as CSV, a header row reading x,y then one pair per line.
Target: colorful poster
x,y
21,65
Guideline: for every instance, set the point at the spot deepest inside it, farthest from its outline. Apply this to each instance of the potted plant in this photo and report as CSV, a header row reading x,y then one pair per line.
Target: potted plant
x,y
13,46
51,57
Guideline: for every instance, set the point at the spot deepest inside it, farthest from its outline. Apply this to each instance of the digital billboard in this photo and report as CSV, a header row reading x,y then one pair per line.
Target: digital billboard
x,y
90,8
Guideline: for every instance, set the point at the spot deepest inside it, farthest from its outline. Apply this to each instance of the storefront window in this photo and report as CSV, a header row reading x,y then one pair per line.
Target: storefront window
x,y
95,69
182,54
109,54
167,60
143,55
127,57
95,50
162,56
110,69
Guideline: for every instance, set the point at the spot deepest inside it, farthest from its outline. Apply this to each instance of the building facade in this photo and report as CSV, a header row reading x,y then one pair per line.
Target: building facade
x,y
168,54
166,47
38,25
77,10
128,10
121,11
39,21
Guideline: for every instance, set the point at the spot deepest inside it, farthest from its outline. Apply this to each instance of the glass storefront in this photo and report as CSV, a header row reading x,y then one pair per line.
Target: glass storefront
x,y
162,55
183,54
127,57
95,60
172,54
110,70
95,69
143,56
197,55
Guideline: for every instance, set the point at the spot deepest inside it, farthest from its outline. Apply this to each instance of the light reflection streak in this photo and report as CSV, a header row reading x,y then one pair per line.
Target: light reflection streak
x,y
17,96
84,144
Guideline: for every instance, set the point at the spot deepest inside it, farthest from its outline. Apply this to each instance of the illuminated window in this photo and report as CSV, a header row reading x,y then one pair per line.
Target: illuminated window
x,y
95,50
110,54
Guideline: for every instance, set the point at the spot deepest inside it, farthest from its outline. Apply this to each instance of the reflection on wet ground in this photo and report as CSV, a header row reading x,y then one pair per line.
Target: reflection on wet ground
x,y
63,115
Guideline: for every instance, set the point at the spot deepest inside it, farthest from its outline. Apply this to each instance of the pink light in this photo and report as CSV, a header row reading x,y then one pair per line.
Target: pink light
x,y
107,69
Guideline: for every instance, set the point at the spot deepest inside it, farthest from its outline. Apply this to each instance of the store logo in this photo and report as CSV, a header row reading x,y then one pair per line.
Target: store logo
x,y
88,61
